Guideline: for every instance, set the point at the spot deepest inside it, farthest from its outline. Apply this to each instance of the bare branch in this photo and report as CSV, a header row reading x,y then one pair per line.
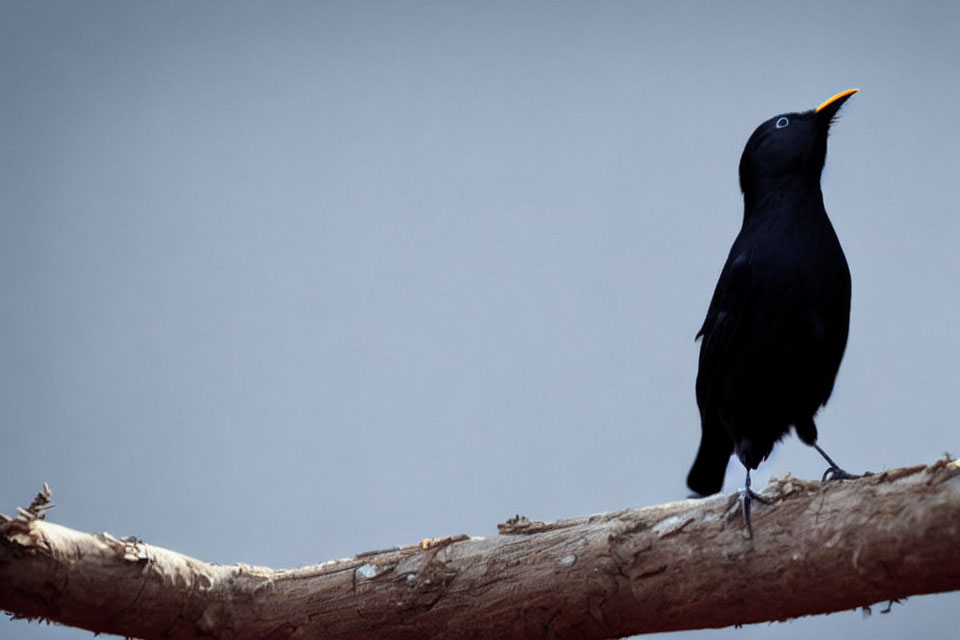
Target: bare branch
x,y
683,565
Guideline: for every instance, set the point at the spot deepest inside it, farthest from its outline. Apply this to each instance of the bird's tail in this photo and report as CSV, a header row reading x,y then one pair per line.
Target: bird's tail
x,y
706,475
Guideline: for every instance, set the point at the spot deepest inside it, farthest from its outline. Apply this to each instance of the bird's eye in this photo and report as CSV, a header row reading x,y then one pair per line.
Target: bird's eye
x,y
783,122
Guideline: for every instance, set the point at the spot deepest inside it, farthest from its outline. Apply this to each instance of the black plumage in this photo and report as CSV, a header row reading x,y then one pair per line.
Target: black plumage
x,y
777,324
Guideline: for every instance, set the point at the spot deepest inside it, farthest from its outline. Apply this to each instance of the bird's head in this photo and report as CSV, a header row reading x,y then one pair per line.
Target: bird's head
x,y
789,149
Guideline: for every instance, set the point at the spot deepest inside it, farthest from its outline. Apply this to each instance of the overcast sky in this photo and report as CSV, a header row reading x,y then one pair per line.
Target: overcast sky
x,y
284,282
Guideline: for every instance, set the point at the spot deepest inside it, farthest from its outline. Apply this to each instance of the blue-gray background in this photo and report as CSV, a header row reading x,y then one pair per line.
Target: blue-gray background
x,y
285,282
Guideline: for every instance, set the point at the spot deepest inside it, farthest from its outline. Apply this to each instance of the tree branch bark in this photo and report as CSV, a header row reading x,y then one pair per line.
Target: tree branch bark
x,y
684,565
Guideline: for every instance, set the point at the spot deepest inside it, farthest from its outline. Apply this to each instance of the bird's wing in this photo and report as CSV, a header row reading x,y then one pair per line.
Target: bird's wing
x,y
731,303
733,300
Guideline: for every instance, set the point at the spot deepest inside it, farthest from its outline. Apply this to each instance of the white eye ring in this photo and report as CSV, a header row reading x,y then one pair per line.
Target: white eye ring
x,y
783,122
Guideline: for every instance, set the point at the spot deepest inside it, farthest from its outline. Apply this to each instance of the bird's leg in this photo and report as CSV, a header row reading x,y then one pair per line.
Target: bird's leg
x,y
748,497
833,472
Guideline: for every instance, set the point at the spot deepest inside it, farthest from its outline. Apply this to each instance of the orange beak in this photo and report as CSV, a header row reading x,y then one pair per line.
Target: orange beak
x,y
839,96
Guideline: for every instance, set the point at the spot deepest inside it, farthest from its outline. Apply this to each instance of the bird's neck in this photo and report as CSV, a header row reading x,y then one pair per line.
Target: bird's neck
x,y
785,199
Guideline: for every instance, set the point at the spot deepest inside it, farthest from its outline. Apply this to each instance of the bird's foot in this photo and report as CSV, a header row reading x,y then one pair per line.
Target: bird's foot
x,y
746,501
836,473
745,505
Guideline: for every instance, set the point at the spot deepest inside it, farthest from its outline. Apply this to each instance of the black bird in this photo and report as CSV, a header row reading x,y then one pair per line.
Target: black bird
x,y
777,324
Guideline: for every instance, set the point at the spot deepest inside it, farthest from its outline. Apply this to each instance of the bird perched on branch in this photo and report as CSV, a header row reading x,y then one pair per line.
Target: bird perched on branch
x,y
777,324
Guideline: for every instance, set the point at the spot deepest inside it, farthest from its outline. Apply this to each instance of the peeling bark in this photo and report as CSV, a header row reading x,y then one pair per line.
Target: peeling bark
x,y
818,547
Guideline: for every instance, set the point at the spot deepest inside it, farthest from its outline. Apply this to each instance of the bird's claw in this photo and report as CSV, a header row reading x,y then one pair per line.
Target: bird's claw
x,y
745,501
747,498
836,473
749,495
